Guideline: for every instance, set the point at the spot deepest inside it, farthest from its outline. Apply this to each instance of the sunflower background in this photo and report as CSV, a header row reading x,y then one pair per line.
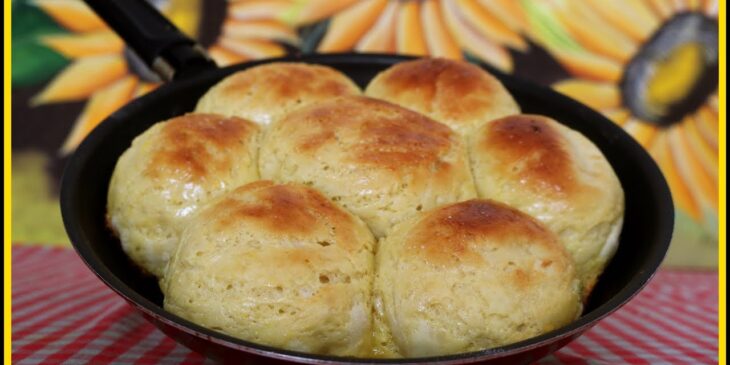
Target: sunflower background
x,y
648,65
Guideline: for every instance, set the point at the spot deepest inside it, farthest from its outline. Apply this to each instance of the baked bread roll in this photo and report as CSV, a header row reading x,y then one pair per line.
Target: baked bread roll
x,y
456,93
169,171
470,276
382,162
558,176
267,92
279,265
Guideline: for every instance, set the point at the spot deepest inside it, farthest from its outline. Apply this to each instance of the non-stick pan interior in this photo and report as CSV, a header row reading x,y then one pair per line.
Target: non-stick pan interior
x,y
643,243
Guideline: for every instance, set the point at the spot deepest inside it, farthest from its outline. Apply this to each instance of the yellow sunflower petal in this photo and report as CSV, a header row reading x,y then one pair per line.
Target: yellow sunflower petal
x,y
100,105
643,133
143,88
634,18
706,154
82,78
409,34
223,57
381,37
706,122
349,26
508,11
313,10
440,41
680,6
253,48
260,9
681,194
87,44
590,66
592,32
71,14
260,29
710,8
693,4
472,41
704,188
597,95
618,116
185,14
490,26
662,8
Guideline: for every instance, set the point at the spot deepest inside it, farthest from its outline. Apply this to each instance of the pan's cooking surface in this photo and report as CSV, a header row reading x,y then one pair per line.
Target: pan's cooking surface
x,y
644,240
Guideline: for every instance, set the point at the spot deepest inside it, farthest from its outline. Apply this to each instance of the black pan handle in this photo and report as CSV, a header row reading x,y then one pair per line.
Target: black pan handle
x,y
161,46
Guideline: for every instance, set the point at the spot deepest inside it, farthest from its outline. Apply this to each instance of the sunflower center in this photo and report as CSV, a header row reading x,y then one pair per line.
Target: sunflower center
x,y
185,14
674,76
674,72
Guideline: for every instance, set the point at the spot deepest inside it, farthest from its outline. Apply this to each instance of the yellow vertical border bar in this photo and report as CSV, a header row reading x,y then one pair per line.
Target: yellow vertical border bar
x,y
722,242
6,193
722,272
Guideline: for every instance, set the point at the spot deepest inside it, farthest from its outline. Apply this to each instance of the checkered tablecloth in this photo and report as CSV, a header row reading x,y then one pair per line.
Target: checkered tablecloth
x,y
63,314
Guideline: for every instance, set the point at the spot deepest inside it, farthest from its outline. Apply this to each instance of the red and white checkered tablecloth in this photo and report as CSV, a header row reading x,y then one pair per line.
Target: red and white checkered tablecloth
x,y
63,314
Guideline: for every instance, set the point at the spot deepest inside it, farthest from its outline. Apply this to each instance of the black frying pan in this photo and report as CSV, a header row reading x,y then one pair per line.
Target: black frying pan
x,y
644,240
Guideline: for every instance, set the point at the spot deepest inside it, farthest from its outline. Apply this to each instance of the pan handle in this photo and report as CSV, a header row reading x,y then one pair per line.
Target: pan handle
x,y
166,50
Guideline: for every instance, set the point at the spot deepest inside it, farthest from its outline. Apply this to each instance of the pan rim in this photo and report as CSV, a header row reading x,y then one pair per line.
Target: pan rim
x,y
85,151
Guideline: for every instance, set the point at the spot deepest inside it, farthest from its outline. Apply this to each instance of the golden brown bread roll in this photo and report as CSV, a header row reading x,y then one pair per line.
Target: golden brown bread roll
x,y
279,265
168,172
382,162
558,176
456,93
267,92
470,276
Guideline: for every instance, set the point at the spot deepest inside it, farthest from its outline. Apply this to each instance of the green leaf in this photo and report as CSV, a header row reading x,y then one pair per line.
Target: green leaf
x,y
32,62
312,34
548,27
31,22
470,57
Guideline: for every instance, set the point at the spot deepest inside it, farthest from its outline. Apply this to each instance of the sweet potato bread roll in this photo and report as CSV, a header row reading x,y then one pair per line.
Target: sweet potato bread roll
x,y
380,161
456,93
470,276
266,93
168,173
279,265
558,176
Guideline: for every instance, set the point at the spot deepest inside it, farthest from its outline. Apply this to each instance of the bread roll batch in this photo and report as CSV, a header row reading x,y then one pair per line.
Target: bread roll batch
x,y
427,217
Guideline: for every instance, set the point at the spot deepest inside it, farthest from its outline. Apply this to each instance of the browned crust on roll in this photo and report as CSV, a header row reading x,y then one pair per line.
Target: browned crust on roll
x,y
185,142
289,209
458,90
426,75
530,148
389,136
448,235
288,80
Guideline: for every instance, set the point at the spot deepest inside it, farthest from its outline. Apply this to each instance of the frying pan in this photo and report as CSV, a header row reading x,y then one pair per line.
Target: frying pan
x,y
643,243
